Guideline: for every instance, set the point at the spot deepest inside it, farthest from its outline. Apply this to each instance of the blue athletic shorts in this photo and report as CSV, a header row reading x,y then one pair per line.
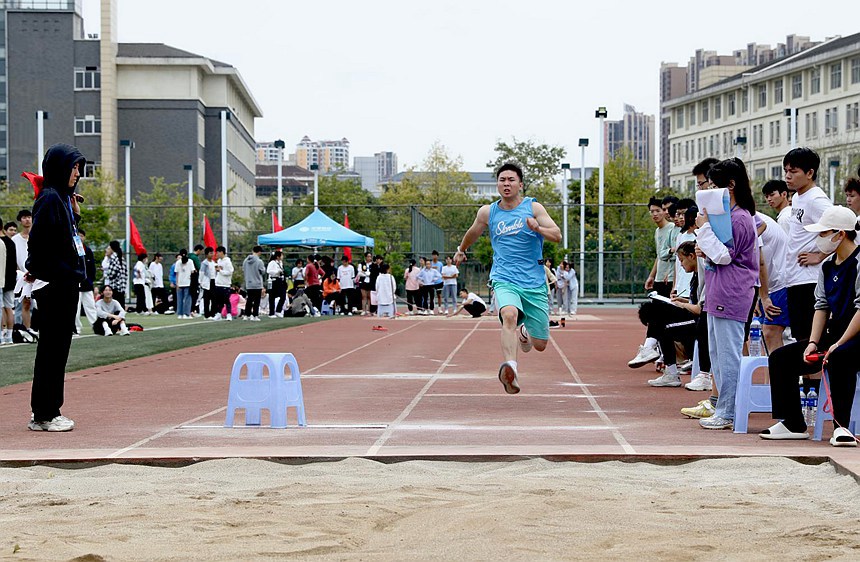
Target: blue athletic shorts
x,y
780,299
532,304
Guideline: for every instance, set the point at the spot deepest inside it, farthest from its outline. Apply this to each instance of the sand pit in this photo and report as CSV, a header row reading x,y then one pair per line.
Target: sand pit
x,y
749,508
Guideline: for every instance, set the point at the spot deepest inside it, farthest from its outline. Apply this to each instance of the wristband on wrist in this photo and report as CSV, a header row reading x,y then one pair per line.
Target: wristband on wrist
x,y
459,251
815,343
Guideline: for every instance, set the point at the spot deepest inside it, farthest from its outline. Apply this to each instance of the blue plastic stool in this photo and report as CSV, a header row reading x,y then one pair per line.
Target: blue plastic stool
x,y
750,397
821,416
275,393
326,309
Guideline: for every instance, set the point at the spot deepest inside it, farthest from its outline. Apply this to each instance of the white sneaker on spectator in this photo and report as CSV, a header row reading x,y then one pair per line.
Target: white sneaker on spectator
x,y
685,367
245,318
229,318
666,379
702,381
716,422
647,354
107,332
255,318
523,336
216,318
59,423
124,331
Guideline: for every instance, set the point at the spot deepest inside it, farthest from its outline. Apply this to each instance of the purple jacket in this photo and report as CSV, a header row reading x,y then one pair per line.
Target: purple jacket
x,y
730,284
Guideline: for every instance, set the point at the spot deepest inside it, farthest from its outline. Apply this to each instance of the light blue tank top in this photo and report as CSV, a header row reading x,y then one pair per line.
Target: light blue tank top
x,y
517,250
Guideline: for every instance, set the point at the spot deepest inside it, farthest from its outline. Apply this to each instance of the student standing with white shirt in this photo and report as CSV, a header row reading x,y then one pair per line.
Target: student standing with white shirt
x,y
156,271
450,273
184,268
385,289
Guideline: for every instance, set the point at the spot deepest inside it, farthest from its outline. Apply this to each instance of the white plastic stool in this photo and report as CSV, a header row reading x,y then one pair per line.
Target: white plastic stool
x,y
750,397
275,393
326,309
821,416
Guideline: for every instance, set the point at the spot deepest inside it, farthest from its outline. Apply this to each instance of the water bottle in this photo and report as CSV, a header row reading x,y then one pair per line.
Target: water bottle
x,y
802,399
811,408
755,338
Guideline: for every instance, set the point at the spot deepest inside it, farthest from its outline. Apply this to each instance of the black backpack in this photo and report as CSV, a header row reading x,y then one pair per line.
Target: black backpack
x,y
20,334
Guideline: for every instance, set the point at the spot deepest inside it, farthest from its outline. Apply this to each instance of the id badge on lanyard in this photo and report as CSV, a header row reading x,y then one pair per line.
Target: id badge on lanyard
x,y
79,244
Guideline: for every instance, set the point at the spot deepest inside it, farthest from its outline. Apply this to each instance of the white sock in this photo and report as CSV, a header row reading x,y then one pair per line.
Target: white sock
x,y
651,342
513,364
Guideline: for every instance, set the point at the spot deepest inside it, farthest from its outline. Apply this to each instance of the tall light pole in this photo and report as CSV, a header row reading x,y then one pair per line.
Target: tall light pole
x,y
279,144
190,169
225,115
40,137
128,145
583,143
564,197
791,113
832,165
316,170
600,114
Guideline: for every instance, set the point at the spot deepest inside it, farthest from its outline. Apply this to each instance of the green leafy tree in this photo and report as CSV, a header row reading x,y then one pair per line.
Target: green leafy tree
x,y
540,162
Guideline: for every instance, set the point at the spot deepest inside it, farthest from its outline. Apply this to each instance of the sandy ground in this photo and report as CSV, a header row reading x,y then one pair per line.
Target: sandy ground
x,y
751,509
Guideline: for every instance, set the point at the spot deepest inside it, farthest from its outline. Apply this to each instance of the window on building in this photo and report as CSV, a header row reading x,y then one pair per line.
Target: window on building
x,y
731,101
692,114
745,100
89,125
90,169
776,172
679,117
699,149
777,127
762,96
771,136
760,175
812,125
777,90
815,80
855,70
705,110
852,116
88,78
686,150
796,86
711,145
831,121
836,75
718,107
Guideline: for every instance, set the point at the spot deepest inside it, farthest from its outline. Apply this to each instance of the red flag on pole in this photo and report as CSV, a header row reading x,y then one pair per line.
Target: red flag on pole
x,y
347,251
208,236
276,226
35,180
136,242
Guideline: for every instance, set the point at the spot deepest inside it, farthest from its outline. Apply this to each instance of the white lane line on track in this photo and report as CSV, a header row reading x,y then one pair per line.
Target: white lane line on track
x,y
615,433
374,449
224,408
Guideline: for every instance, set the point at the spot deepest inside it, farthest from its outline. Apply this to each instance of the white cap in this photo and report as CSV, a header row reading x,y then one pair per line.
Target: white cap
x,y
835,218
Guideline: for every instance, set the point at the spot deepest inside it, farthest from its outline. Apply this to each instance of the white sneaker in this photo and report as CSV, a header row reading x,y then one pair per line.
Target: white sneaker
x,y
508,378
716,422
124,331
229,318
59,423
685,367
523,336
255,318
702,381
666,380
245,318
108,332
217,318
646,355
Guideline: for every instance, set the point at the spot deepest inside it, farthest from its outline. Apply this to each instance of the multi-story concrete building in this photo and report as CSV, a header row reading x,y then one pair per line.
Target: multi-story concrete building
x,y
375,170
706,68
328,155
386,165
267,153
175,106
749,114
635,132
295,181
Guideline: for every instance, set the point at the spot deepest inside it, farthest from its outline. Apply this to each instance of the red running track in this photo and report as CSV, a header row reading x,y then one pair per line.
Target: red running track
x,y
426,387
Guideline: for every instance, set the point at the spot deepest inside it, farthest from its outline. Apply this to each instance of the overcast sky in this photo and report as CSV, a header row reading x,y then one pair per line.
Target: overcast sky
x,y
399,75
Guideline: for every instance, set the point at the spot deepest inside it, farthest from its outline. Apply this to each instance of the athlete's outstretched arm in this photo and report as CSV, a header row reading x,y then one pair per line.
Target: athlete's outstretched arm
x,y
482,220
543,224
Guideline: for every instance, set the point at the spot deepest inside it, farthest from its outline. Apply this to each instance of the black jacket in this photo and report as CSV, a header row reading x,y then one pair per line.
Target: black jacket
x,y
89,269
51,248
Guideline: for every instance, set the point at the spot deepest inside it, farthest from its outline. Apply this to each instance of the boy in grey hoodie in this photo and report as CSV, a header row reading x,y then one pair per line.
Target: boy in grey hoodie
x,y
254,270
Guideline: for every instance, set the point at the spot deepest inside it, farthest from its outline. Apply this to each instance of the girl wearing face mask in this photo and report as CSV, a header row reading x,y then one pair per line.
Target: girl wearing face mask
x,y
835,333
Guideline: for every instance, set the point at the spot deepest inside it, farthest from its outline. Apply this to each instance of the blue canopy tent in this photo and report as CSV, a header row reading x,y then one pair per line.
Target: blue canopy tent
x,y
315,230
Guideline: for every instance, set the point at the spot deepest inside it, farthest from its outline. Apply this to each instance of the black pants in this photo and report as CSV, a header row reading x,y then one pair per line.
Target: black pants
x,y
57,303
119,296
252,303
208,300
159,294
801,309
786,364
194,289
476,309
314,292
348,296
670,324
335,300
103,326
429,296
702,340
413,297
139,298
278,291
221,298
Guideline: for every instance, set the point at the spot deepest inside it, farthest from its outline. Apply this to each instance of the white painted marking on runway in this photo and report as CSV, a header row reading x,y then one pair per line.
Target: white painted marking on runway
x,y
615,433
374,449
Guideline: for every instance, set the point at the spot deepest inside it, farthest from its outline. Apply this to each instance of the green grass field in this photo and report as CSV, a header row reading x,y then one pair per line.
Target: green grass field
x,y
170,334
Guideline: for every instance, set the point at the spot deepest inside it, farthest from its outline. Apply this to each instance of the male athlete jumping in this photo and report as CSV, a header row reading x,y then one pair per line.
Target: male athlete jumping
x,y
518,226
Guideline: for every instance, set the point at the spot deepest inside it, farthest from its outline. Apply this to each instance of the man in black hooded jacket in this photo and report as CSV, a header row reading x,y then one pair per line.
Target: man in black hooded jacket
x,y
56,267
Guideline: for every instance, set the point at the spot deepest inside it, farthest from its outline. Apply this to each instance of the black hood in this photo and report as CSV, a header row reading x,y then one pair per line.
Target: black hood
x,y
57,166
